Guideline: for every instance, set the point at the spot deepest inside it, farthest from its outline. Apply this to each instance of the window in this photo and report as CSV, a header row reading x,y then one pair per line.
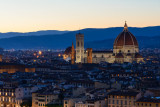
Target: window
x,y
65,102
156,105
129,102
109,101
117,101
125,97
125,102
121,102
128,51
78,44
102,56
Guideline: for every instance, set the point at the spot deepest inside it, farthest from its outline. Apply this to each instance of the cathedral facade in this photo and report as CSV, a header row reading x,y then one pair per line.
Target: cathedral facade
x,y
125,49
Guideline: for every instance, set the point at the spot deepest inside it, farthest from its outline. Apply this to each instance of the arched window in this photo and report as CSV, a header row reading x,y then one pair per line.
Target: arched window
x,y
88,53
78,43
102,56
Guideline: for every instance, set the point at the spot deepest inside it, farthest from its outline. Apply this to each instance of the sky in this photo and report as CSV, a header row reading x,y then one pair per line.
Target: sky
x,y
34,15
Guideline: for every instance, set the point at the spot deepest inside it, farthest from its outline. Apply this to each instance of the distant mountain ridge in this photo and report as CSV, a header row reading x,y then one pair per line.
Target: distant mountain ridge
x,y
37,33
148,37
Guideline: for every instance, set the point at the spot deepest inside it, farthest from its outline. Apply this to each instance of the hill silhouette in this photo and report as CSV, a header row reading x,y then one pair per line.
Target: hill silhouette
x,y
148,37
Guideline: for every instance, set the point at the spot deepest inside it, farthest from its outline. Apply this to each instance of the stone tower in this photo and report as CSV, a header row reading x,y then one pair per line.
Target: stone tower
x,y
89,55
72,54
1,57
79,48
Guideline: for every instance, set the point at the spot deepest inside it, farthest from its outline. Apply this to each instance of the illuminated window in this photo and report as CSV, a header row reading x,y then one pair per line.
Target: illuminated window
x,y
130,103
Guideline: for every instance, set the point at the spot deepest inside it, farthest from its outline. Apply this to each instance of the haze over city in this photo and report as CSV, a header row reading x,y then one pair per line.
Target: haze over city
x,y
35,15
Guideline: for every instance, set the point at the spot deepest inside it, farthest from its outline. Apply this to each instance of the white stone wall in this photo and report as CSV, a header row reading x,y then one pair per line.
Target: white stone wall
x,y
79,48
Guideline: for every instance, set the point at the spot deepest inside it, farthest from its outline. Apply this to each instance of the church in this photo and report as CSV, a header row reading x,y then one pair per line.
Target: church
x,y
125,49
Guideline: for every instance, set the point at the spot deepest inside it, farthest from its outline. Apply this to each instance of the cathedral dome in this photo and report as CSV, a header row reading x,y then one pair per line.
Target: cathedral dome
x,y
125,38
68,51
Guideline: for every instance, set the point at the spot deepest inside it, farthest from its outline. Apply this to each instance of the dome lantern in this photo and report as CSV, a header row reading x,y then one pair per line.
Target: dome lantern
x,y
125,27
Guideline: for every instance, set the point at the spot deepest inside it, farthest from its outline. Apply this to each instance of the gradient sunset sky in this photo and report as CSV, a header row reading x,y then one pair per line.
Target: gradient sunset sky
x,y
34,15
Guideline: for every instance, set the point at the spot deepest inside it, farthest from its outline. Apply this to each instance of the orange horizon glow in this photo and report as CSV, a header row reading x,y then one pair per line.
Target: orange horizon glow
x,y
35,15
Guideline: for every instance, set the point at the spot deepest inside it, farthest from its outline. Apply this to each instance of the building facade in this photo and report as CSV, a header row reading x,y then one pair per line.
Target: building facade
x,y
43,97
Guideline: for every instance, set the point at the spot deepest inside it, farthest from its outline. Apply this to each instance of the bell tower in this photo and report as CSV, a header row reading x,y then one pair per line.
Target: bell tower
x,y
89,55
79,48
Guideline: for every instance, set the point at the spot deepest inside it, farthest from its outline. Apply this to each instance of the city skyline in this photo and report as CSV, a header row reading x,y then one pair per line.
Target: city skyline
x,y
28,16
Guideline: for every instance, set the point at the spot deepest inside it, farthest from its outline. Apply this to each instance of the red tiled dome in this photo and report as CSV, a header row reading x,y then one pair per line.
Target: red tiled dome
x,y
125,38
68,51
